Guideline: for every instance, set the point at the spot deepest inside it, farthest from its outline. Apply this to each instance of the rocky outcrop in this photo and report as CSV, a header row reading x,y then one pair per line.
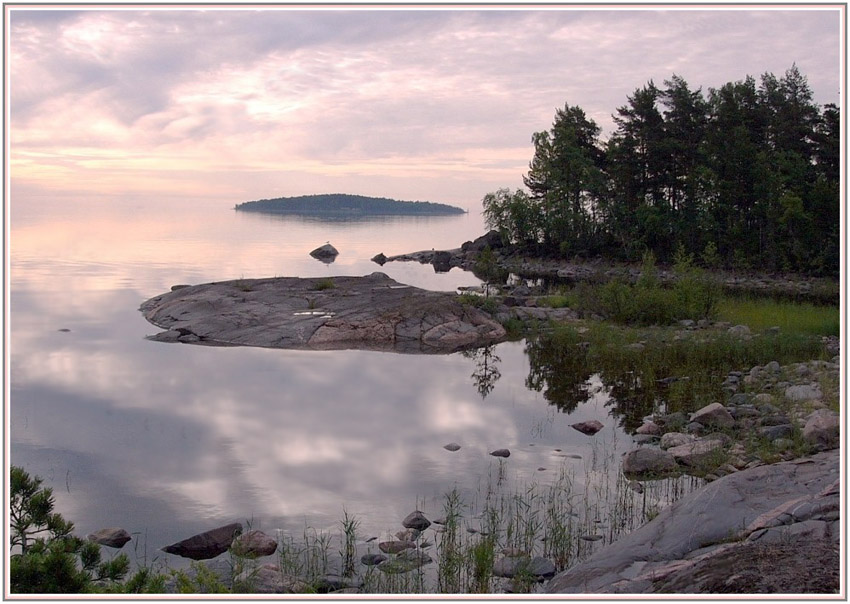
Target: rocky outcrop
x,y
204,546
794,501
372,312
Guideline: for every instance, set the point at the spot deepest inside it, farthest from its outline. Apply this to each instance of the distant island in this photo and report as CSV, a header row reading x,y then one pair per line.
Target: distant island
x,y
343,205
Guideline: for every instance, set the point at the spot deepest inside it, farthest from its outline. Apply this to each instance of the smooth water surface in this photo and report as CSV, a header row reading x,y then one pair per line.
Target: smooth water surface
x,y
166,440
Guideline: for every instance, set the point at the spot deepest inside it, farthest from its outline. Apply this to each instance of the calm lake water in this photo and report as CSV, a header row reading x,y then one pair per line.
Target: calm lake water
x,y
167,440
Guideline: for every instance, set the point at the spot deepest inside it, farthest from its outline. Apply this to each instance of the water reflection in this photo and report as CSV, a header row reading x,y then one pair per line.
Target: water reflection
x,y
168,440
563,371
486,372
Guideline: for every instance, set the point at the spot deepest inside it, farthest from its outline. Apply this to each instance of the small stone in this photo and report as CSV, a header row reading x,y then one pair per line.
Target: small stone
x,y
409,534
500,453
804,392
590,427
110,537
372,559
646,462
781,431
253,544
451,447
714,415
675,439
823,429
739,331
695,453
394,547
650,428
416,520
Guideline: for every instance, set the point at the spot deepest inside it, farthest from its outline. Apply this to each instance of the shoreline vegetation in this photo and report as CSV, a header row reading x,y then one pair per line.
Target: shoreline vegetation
x,y
340,205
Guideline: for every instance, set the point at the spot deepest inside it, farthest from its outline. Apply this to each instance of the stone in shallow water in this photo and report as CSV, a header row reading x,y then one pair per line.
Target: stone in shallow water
x,y
253,544
394,547
451,447
500,453
590,427
416,520
110,537
205,545
372,559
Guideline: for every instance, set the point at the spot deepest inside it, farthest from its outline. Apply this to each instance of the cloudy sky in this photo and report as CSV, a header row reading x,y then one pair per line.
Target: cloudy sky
x,y
230,104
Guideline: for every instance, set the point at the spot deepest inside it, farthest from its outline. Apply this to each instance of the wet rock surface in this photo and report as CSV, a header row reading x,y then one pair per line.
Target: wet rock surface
x,y
372,312
788,502
206,545
110,537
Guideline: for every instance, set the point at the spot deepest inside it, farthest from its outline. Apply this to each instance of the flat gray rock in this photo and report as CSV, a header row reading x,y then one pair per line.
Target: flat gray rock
x,y
743,505
372,312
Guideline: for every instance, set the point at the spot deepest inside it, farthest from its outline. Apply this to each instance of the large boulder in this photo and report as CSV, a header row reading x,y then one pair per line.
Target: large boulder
x,y
110,537
442,261
204,546
696,454
268,579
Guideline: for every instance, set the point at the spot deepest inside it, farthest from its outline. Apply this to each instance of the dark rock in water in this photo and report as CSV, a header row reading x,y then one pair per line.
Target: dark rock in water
x,y
591,537
253,544
394,547
647,462
500,453
206,545
325,253
372,559
441,261
332,583
379,259
590,428
174,288
64,330
110,537
451,447
416,520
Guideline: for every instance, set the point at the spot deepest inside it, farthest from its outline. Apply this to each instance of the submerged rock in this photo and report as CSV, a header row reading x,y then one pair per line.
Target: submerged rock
x,y
500,453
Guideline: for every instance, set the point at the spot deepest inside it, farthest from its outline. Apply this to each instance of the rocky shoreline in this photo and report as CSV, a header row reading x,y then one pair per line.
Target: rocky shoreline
x,y
818,290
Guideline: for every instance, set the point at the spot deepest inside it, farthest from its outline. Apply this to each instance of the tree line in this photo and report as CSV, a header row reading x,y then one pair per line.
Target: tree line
x,y
746,176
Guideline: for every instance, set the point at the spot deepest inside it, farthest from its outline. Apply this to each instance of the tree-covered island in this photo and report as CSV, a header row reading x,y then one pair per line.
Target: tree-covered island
x,y
344,205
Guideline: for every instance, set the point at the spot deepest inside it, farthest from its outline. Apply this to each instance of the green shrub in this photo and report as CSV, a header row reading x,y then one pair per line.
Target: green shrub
x,y
51,559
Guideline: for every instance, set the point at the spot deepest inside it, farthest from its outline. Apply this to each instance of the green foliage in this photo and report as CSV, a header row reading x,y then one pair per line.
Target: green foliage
x,y
790,317
746,176
324,284
51,559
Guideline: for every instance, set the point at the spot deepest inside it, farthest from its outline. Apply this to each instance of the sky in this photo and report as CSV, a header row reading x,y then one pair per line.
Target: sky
x,y
229,104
